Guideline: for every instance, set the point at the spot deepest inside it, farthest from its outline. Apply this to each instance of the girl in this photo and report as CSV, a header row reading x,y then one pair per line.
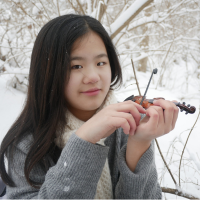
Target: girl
x,y
73,139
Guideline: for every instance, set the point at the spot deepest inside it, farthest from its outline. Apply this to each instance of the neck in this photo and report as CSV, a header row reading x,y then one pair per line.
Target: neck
x,y
83,115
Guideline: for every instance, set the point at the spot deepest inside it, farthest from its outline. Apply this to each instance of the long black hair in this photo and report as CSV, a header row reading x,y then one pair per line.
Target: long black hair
x,y
44,111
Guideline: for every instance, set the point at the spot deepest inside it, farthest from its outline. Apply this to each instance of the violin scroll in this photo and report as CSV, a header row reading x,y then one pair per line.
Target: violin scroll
x,y
187,109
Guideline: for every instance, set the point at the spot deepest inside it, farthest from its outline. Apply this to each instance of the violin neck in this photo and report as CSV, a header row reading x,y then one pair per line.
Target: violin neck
x,y
151,101
183,107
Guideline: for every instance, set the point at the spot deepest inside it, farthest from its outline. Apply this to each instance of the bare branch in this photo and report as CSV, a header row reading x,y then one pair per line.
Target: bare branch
x,y
13,54
185,146
80,6
39,10
165,162
163,66
89,7
172,10
58,7
72,4
15,47
45,10
14,73
136,78
23,10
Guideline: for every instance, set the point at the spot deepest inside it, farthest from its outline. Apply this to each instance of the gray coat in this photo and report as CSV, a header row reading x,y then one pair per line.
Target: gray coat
x,y
79,167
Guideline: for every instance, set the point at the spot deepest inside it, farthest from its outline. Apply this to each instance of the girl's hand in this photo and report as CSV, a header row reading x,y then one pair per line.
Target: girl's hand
x,y
159,120
105,122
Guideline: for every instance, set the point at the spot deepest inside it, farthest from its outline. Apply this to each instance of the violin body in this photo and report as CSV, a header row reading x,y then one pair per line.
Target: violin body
x,y
146,103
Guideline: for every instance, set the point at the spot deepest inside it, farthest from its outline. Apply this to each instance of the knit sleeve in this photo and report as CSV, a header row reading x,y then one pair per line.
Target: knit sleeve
x,y
74,176
143,182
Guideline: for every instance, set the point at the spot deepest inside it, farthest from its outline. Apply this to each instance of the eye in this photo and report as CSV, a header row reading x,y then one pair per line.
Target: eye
x,y
101,63
76,67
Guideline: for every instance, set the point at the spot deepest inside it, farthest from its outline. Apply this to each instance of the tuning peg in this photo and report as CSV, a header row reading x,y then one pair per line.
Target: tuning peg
x,y
188,105
183,103
181,110
186,112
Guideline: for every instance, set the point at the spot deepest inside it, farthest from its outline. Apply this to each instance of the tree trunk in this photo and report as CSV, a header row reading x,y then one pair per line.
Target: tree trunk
x,y
142,64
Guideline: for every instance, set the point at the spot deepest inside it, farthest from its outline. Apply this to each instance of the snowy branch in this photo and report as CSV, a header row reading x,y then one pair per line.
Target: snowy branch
x,y
89,7
144,20
178,193
100,10
124,19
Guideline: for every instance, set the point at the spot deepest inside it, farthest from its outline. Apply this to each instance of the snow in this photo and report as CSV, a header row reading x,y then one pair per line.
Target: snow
x,y
36,9
11,103
144,20
89,7
127,15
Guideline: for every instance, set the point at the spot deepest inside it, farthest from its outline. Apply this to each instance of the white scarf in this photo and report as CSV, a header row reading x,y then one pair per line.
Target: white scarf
x,y
104,186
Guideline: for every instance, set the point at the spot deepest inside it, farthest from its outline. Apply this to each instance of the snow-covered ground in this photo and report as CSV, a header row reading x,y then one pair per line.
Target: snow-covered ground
x,y
12,100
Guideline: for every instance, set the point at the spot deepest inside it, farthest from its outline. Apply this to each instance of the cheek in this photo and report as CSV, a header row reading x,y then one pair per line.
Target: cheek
x,y
107,76
71,87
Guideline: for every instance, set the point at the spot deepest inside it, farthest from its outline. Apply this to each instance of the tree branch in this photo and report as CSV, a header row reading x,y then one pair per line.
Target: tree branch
x,y
100,10
178,193
72,5
185,147
165,162
80,6
127,16
58,8
45,10
135,77
24,11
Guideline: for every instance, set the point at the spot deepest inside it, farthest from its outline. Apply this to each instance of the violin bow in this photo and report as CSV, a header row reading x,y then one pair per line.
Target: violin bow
x,y
154,72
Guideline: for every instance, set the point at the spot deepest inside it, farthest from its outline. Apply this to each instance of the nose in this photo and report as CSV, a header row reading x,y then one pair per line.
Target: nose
x,y
91,76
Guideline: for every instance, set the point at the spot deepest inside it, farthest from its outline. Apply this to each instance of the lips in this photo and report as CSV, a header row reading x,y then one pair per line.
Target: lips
x,y
91,90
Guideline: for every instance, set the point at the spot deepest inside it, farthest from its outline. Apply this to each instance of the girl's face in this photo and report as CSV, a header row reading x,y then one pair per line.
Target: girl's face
x,y
90,70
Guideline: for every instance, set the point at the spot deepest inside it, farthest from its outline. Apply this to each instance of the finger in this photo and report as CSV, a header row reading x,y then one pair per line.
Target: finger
x,y
169,109
176,112
129,119
163,103
120,122
139,107
153,118
133,108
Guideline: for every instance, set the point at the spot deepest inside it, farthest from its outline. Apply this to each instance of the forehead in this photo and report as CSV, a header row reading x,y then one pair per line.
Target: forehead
x,y
91,44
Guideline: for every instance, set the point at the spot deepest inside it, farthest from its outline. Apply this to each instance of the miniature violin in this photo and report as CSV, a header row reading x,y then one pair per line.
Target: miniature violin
x,y
149,102
146,103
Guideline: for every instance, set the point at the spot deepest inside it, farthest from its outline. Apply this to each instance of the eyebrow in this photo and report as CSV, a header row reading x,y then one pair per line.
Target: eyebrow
x,y
82,58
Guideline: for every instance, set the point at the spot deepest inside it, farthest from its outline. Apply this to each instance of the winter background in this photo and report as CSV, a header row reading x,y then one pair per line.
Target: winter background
x,y
162,34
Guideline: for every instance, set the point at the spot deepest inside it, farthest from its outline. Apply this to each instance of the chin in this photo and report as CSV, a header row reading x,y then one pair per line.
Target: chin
x,y
92,106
